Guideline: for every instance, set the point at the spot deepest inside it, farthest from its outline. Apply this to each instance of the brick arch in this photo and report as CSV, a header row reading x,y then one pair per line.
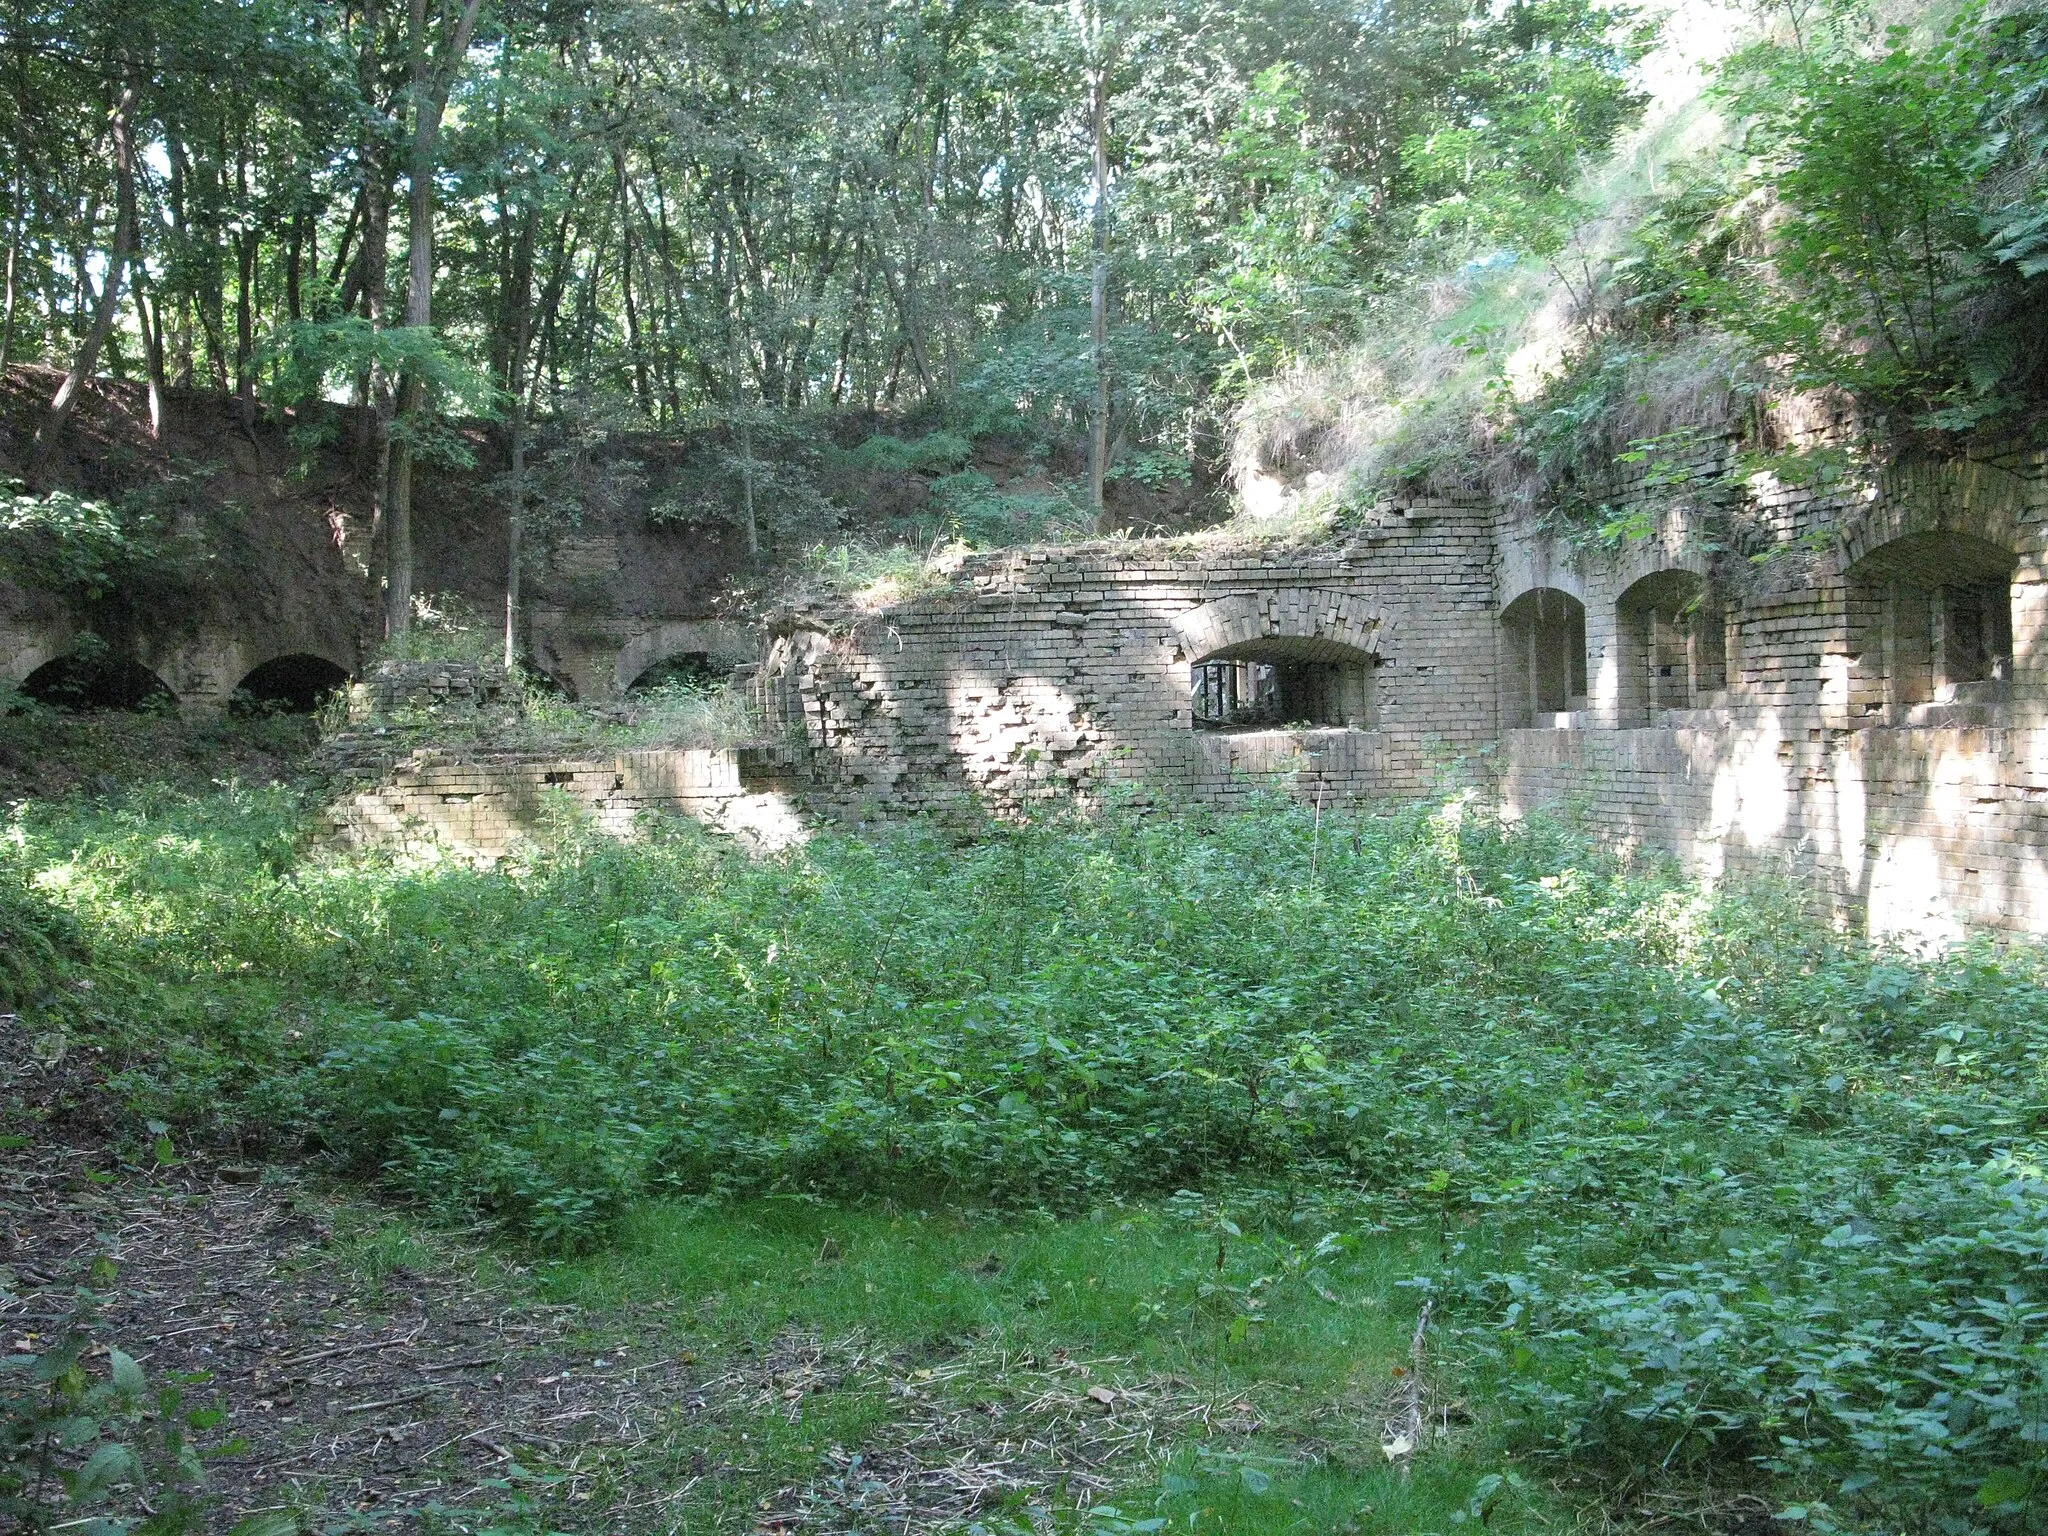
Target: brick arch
x,y
1311,623
1980,500
31,654
715,637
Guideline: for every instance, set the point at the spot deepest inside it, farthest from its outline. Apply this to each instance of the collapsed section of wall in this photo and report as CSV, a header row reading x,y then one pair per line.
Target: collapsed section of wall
x,y
1348,670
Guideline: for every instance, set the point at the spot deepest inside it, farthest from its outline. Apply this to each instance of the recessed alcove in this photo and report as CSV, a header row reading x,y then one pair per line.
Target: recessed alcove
x,y
1930,621
1544,660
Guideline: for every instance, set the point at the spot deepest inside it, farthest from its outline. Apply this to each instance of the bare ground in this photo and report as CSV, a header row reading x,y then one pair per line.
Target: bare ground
x,y
399,1398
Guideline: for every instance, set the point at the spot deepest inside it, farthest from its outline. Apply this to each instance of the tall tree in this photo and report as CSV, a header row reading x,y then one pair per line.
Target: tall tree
x,y
121,134
438,38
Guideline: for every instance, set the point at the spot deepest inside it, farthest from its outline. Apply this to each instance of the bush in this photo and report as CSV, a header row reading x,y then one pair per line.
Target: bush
x,y
1772,1203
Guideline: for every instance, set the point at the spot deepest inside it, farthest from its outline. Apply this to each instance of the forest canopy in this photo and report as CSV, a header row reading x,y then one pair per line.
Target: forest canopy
x,y
657,211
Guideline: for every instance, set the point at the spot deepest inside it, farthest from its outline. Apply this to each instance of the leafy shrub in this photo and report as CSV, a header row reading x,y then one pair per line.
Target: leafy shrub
x,y
106,1452
1879,231
1770,1204
81,546
934,453
33,937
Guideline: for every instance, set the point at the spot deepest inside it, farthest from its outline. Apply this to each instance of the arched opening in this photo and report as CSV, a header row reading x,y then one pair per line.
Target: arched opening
x,y
1281,682
84,681
1546,656
287,685
1930,620
1674,645
690,669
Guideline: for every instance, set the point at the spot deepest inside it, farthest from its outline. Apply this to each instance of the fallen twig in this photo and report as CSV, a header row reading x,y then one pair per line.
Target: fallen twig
x,y
1405,1429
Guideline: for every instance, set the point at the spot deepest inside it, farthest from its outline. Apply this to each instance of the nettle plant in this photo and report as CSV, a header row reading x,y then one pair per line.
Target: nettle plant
x,y
86,1445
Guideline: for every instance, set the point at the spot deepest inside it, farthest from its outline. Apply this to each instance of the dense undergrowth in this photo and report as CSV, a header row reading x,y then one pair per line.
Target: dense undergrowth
x,y
1774,1204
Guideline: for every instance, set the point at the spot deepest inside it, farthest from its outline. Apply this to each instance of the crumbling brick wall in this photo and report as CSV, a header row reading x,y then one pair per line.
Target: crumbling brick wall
x,y
1914,819
1066,672
480,805
1790,745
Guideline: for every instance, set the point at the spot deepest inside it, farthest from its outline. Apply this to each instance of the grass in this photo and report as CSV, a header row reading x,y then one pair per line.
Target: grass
x,y
1707,1195
1135,1294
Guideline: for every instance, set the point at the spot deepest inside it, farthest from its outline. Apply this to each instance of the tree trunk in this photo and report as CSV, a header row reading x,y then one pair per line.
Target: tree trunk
x,y
88,354
1098,298
245,306
13,254
294,256
518,299
746,435
431,82
641,391
150,319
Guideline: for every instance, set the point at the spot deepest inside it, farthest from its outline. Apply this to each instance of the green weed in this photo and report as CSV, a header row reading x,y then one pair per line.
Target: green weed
x,y
1701,1187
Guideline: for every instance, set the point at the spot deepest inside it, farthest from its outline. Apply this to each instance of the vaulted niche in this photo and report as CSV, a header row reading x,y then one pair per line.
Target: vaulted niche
x,y
693,669
1930,619
1674,646
1545,656
287,685
1280,682
97,681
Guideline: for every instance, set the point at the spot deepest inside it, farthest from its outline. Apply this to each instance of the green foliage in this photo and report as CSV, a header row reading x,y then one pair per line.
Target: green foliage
x,y
446,626
1281,279
935,453
101,1453
1547,97
1759,1202
35,939
74,544
315,357
974,510
1854,1298
1878,231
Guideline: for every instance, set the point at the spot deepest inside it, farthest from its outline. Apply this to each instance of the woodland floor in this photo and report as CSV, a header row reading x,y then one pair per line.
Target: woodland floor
x,y
375,1393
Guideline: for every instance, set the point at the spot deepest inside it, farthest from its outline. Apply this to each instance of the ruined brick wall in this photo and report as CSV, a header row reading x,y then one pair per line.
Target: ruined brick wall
x,y
1908,816
1058,672
1745,694
480,806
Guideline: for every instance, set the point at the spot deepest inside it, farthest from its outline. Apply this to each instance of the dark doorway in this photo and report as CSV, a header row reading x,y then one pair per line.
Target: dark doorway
x,y
689,669
288,685
81,682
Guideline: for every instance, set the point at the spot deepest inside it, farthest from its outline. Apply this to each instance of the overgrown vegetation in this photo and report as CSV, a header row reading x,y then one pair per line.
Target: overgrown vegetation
x,y
1718,1194
1864,226
529,712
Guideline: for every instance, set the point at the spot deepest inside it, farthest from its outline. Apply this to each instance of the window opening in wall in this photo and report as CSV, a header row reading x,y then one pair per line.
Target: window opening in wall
x,y
1546,655
690,669
1674,645
1282,683
1931,624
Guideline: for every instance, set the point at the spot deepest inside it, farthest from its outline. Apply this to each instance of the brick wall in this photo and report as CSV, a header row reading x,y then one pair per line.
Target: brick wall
x,y
1741,706
1066,672
1776,676
1915,820
480,806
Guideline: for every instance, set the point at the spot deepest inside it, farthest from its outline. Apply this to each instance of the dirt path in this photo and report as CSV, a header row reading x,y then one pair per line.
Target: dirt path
x,y
372,1393
370,1396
